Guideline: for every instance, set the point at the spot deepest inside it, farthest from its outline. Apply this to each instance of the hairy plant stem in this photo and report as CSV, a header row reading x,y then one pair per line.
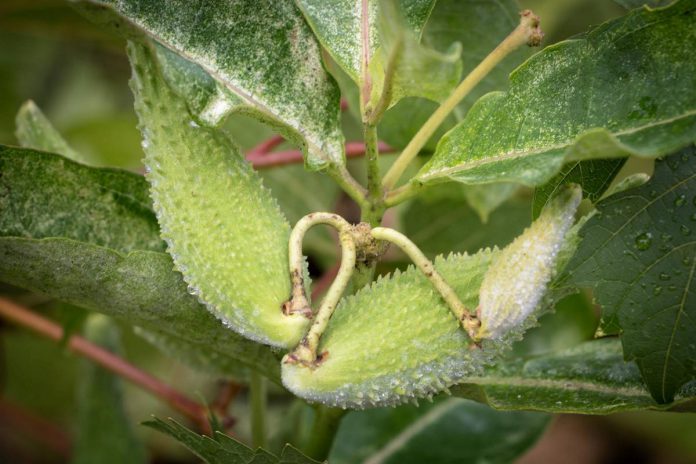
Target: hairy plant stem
x,y
306,350
324,428
257,398
374,209
39,324
469,322
527,32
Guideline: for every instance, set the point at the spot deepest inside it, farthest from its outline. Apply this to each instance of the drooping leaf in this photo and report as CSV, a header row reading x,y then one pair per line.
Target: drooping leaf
x,y
485,199
397,340
262,51
479,27
45,195
105,432
598,96
591,378
440,220
223,449
223,228
35,131
639,256
140,288
594,176
450,430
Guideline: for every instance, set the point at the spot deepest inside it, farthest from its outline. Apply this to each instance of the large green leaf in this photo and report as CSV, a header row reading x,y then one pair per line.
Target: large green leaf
x,y
262,51
45,195
599,96
450,430
56,217
223,449
223,228
480,27
591,378
397,339
105,432
639,256
140,288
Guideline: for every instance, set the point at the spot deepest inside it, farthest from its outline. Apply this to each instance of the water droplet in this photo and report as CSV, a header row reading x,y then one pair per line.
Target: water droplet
x,y
680,200
664,276
684,230
666,237
657,290
672,288
643,241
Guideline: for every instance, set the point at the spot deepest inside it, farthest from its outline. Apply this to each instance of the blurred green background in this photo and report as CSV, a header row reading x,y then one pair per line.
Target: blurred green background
x,y
78,75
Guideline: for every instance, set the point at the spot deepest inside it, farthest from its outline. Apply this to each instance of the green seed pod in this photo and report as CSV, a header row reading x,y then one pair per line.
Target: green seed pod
x,y
396,340
223,228
516,281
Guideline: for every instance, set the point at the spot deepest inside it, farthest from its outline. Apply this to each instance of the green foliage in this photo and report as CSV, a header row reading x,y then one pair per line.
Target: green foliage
x,y
640,263
410,434
223,449
555,112
105,433
35,131
270,61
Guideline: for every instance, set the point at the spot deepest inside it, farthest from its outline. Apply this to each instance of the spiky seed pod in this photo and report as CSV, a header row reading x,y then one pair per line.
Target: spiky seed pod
x,y
517,279
223,228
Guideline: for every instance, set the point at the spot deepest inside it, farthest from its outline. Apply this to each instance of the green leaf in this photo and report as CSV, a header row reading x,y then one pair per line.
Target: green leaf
x,y
45,195
639,256
105,433
599,96
223,449
480,27
591,378
440,220
223,228
450,430
631,4
140,288
35,131
594,176
397,339
262,51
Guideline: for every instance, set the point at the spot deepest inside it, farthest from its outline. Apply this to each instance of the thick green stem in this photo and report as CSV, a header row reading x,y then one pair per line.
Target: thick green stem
x,y
527,32
374,209
349,185
468,320
326,422
257,394
306,351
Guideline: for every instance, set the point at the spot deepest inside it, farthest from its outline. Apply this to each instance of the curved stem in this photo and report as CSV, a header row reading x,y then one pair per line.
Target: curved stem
x,y
527,32
324,428
402,193
468,321
349,185
306,351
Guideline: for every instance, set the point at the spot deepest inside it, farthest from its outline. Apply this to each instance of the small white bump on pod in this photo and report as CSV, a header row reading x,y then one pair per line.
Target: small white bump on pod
x,y
517,279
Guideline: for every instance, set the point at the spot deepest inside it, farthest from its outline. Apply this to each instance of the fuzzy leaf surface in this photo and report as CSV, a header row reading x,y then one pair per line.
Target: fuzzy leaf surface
x,y
46,195
591,378
450,430
598,96
649,234
261,51
223,228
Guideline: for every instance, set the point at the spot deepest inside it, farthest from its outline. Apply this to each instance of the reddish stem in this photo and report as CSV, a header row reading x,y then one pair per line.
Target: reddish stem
x,y
266,146
49,434
280,158
324,281
24,317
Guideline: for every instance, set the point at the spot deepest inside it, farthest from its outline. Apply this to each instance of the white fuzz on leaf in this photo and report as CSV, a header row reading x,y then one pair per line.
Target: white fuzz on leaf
x,y
516,281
